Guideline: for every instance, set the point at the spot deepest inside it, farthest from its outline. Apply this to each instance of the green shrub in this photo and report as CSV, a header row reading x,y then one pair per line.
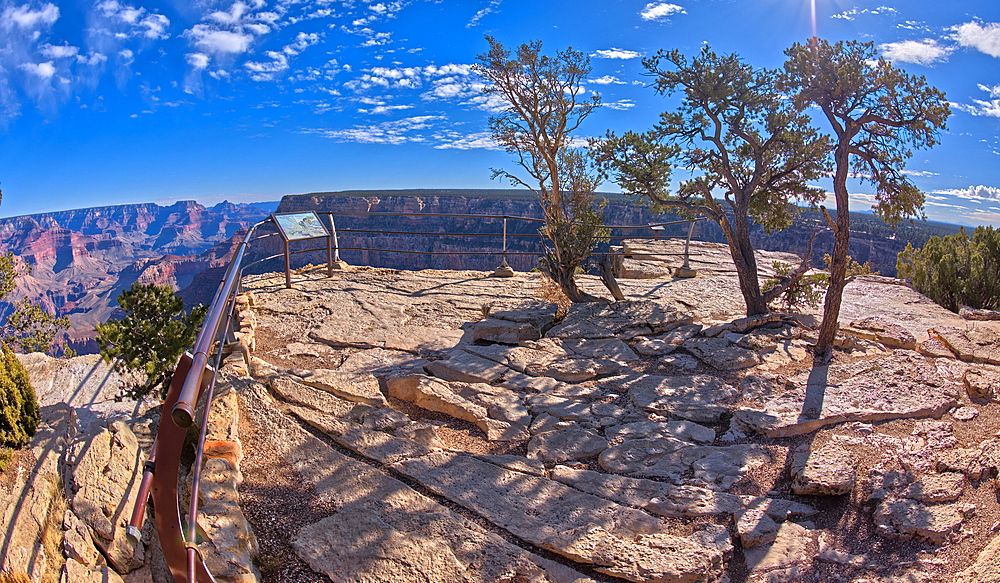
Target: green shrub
x,y
956,270
18,407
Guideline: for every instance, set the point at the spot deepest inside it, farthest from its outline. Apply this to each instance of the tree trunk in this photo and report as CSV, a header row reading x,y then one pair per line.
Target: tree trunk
x,y
568,286
742,251
838,265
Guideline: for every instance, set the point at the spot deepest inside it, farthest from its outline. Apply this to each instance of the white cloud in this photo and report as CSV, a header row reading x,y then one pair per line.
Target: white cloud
x,y
976,192
389,132
614,53
130,21
620,105
219,42
489,9
660,10
91,59
28,18
58,51
925,52
198,61
450,140
268,71
980,107
607,80
985,39
43,71
230,17
854,12
381,109
449,69
302,42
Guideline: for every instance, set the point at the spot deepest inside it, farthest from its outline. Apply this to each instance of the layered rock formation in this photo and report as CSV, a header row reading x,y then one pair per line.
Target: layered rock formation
x,y
81,260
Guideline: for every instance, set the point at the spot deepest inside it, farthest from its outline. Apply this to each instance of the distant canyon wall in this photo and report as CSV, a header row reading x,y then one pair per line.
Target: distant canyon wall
x,y
80,260
460,250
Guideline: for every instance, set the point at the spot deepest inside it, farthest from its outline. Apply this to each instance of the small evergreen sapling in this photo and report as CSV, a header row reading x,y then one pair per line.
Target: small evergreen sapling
x,y
150,338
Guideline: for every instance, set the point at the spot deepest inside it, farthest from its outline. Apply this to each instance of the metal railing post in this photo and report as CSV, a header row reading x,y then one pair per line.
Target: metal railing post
x,y
504,270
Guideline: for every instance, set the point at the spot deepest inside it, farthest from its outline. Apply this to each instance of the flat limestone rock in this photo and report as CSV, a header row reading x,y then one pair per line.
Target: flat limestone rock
x,y
783,559
516,463
467,368
598,320
986,569
339,330
381,362
975,345
936,488
557,517
970,313
668,458
654,347
658,557
349,484
965,413
934,348
504,331
755,528
86,383
571,370
567,409
696,397
295,392
829,471
356,544
656,497
566,445
720,354
537,313
882,331
612,349
645,269
436,395
356,387
904,519
516,357
980,384
522,382
684,430
28,503
905,387
78,573
106,464
778,509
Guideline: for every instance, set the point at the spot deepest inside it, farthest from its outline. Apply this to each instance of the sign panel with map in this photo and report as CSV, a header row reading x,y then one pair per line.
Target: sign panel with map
x,y
299,226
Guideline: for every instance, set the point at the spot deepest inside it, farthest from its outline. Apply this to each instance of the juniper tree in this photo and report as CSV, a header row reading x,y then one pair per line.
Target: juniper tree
x,y
751,148
151,337
544,103
878,115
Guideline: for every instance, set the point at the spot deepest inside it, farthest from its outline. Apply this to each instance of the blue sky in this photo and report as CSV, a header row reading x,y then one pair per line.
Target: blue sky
x,y
122,101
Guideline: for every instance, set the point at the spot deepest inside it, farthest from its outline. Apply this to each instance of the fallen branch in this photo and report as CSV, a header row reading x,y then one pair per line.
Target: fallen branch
x,y
790,279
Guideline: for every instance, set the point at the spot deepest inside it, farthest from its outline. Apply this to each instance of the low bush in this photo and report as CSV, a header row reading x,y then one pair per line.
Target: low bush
x,y
18,406
956,270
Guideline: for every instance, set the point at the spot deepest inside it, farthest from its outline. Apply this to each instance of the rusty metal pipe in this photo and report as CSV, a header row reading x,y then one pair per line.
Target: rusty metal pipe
x,y
134,529
183,411
199,456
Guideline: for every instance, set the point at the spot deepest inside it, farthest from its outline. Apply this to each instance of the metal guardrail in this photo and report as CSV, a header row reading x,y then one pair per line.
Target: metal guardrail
x,y
190,382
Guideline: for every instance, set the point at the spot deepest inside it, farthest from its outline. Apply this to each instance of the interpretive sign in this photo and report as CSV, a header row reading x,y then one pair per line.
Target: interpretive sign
x,y
298,226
